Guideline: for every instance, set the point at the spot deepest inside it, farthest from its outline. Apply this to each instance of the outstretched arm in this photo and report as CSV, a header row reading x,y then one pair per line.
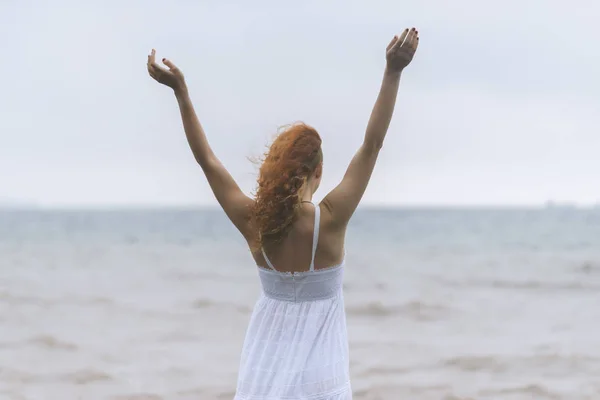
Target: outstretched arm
x,y
235,203
343,200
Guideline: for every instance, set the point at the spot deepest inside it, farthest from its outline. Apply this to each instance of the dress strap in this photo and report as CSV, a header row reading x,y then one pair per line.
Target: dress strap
x,y
315,236
267,259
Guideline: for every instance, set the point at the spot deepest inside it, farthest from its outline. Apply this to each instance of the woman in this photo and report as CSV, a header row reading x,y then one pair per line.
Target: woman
x,y
296,345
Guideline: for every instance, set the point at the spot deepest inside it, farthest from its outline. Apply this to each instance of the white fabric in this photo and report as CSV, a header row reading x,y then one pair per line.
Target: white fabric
x,y
315,237
296,345
267,259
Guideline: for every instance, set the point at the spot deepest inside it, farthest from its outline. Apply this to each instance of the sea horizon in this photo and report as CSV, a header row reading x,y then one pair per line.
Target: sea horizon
x,y
123,207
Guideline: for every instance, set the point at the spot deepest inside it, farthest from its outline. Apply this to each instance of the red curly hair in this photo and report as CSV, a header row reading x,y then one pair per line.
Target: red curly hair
x,y
292,158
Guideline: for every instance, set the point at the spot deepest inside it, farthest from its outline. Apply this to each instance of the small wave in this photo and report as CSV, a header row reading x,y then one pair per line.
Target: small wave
x,y
100,300
86,376
15,376
522,285
140,396
537,285
190,276
535,391
413,310
14,299
372,310
476,363
5,394
202,303
400,391
225,395
177,337
50,342
562,363
589,268
383,370
205,394
206,303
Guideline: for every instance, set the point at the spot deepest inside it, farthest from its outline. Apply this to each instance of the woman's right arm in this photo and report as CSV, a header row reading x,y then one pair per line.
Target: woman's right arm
x,y
234,202
343,200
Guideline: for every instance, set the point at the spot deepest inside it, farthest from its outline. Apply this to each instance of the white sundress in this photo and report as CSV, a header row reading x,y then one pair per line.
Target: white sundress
x,y
296,345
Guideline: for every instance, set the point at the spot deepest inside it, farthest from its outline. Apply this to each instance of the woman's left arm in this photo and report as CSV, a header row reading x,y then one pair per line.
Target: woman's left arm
x,y
234,202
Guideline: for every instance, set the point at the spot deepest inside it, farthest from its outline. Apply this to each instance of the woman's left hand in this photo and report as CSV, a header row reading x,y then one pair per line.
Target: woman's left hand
x,y
401,50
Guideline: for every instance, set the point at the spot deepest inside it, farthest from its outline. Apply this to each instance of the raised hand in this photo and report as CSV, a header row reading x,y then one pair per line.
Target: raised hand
x,y
171,77
401,50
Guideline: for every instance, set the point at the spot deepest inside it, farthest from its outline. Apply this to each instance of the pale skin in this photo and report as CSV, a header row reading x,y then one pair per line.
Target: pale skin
x,y
338,206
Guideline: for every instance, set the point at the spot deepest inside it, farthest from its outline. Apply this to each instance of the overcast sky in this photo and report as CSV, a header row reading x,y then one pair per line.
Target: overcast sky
x,y
501,104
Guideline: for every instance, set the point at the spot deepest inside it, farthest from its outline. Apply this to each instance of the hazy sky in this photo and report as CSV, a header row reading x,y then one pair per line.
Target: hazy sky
x,y
500,106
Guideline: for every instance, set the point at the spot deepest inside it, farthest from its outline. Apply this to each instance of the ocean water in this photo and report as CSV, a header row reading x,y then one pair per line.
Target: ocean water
x,y
441,304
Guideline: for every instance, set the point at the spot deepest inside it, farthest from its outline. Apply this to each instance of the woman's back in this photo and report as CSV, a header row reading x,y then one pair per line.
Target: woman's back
x,y
296,345
293,254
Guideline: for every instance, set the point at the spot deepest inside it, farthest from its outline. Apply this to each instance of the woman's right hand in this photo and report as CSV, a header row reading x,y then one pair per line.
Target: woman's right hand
x,y
401,50
171,77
